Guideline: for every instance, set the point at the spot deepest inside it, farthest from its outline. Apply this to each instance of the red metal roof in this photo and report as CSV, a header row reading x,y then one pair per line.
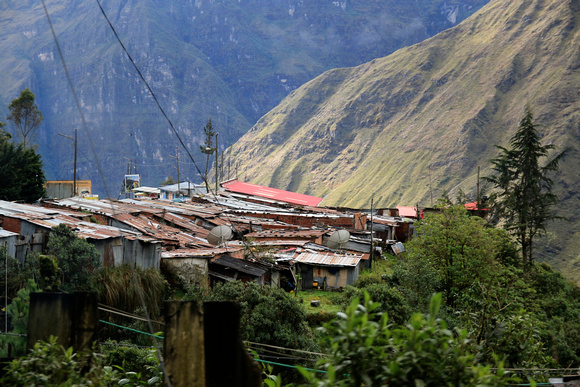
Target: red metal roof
x,y
407,212
473,207
271,193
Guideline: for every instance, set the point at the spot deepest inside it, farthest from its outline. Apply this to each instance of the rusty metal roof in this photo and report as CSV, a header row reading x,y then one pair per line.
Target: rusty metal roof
x,y
291,234
197,253
328,259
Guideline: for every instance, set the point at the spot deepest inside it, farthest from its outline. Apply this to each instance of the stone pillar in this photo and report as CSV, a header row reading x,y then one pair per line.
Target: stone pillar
x,y
184,344
227,363
72,318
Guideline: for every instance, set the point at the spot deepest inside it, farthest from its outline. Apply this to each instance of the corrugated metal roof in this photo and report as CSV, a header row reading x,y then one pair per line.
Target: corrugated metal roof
x,y
407,212
240,265
197,253
6,233
271,193
105,207
294,234
328,259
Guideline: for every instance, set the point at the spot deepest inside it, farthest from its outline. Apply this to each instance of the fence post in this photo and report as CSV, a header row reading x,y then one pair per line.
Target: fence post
x,y
227,363
72,318
184,344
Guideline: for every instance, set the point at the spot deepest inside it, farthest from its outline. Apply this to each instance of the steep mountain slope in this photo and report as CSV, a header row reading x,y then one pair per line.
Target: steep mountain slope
x,y
230,60
429,114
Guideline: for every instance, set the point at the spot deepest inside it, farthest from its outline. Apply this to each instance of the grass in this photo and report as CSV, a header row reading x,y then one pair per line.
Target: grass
x,y
325,298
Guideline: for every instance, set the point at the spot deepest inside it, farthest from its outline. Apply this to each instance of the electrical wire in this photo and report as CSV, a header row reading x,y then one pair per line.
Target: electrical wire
x,y
119,312
150,90
174,130
287,349
100,171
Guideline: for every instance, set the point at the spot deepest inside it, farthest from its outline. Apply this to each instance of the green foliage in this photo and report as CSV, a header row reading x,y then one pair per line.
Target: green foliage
x,y
76,258
14,344
21,174
269,316
18,275
364,350
168,181
390,300
25,116
524,199
557,302
136,366
50,364
459,248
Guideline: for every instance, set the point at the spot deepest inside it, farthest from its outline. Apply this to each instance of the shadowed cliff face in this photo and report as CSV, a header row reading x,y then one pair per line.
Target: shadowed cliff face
x,y
429,115
230,60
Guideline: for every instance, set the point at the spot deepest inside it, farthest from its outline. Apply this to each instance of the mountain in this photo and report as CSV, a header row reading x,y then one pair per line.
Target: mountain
x,y
232,60
417,124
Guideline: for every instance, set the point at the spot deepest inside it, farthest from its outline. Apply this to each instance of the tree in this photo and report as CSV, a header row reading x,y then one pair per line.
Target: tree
x,y
77,258
459,248
21,174
25,116
207,147
524,197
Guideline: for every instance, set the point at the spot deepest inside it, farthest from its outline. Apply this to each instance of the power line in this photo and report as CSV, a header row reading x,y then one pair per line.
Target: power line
x,y
84,124
149,88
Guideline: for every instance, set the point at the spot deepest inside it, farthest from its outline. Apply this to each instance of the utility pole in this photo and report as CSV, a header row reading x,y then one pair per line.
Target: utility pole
x,y
430,189
478,192
75,161
216,163
372,235
176,157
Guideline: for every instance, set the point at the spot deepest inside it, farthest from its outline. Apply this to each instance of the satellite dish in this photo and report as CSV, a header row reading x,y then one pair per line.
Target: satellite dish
x,y
219,235
338,239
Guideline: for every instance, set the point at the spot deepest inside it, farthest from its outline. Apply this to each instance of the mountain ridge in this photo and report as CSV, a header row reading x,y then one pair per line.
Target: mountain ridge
x,y
429,114
229,60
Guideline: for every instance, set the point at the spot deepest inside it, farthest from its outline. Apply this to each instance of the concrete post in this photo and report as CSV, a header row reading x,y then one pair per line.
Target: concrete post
x,y
184,344
227,363
72,318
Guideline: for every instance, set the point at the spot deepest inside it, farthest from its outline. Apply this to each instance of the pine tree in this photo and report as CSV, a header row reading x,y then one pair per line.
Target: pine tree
x,y
524,199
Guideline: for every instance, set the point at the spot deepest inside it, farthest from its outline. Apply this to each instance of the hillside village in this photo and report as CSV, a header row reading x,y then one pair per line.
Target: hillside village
x,y
277,238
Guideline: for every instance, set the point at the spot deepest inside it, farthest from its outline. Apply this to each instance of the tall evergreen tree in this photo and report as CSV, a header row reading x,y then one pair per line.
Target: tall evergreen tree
x,y
25,116
21,174
524,198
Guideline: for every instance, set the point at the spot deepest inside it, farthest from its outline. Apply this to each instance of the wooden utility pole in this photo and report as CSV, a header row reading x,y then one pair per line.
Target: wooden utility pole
x,y
176,157
372,236
75,161
478,192
430,190
216,163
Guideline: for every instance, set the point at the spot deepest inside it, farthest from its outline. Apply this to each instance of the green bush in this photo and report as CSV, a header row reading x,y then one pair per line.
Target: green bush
x,y
50,364
364,350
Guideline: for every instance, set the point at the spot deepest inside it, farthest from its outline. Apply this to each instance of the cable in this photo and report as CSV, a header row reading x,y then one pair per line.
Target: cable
x,y
125,314
204,178
131,329
150,91
100,170
287,349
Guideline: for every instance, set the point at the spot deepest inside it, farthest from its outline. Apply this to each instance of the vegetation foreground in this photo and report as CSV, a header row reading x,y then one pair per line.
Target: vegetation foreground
x,y
492,321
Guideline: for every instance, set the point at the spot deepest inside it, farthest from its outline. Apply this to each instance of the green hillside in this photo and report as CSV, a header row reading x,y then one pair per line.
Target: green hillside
x,y
433,112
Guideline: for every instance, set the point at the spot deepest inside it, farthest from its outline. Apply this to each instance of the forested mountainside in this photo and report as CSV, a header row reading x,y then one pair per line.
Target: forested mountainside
x,y
419,122
230,60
